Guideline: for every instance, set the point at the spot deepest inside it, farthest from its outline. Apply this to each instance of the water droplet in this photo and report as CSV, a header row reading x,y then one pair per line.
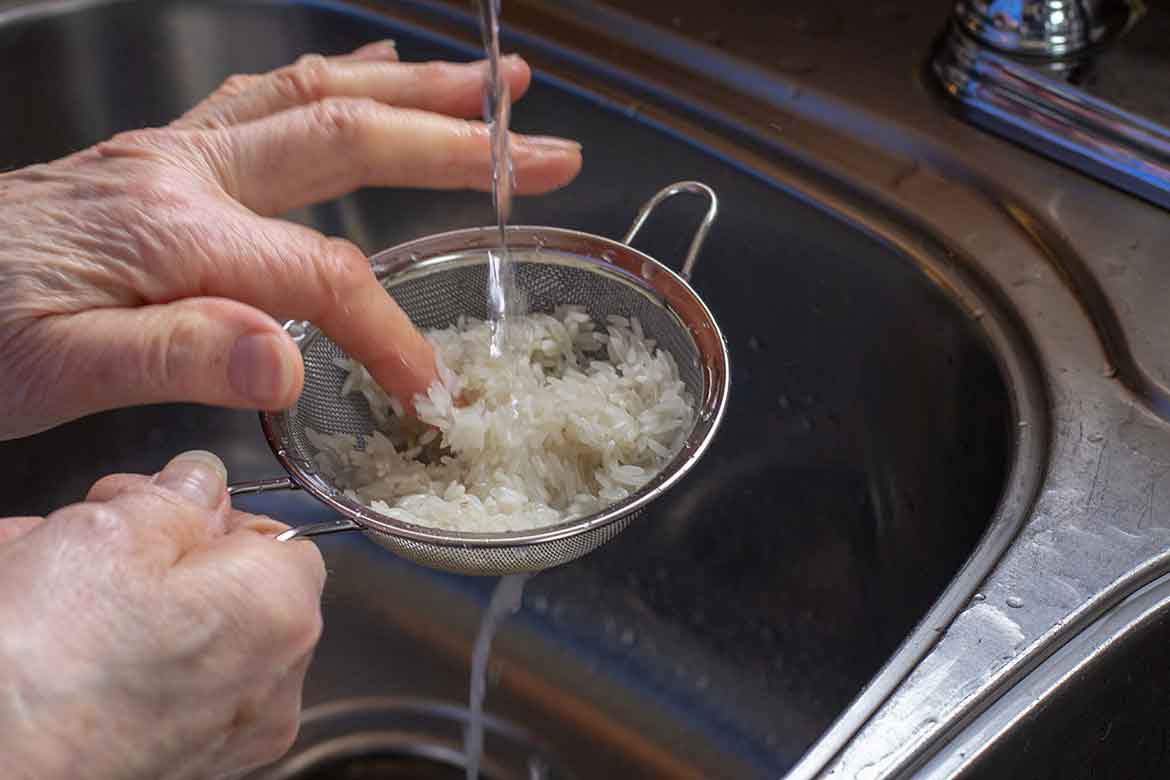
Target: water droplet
x,y
1022,423
979,597
807,425
1108,371
978,314
702,682
784,402
1096,438
539,604
628,637
754,344
609,256
1015,602
610,626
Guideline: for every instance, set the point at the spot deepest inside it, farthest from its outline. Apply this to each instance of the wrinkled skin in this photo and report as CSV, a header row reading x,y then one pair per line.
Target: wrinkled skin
x,y
144,269
151,631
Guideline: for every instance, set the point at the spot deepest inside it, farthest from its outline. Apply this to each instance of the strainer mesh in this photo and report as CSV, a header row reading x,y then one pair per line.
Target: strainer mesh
x,y
436,295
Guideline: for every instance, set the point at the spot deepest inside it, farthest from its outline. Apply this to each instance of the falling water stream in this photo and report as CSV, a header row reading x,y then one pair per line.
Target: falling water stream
x,y
502,297
505,601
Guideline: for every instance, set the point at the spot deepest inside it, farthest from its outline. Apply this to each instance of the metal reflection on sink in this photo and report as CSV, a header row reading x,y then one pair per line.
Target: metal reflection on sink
x,y
862,457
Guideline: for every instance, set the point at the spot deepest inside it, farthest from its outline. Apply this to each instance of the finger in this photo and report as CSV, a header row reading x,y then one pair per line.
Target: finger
x,y
16,527
442,87
297,565
266,730
203,350
180,509
378,51
310,154
263,525
207,112
295,272
284,581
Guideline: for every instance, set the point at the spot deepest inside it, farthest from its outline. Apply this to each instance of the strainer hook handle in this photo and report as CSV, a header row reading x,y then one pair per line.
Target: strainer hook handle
x,y
261,486
300,532
318,529
695,188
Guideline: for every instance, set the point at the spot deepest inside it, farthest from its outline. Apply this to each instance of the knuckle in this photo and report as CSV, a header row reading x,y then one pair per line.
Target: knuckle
x,y
307,81
436,72
112,484
294,621
163,145
311,59
92,520
158,187
291,614
172,354
343,118
143,138
342,269
235,84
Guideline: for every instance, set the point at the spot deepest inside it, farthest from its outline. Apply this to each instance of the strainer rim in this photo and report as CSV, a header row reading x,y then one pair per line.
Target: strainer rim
x,y
709,415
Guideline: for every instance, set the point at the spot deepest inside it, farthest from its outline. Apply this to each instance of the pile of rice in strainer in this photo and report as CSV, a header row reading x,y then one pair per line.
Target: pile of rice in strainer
x,y
569,420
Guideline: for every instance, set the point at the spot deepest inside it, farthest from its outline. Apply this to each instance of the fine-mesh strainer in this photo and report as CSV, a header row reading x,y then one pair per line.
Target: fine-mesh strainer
x,y
439,278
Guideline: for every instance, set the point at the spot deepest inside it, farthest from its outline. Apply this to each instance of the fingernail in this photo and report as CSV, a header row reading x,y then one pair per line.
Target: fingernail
x,y
258,370
548,143
387,44
198,476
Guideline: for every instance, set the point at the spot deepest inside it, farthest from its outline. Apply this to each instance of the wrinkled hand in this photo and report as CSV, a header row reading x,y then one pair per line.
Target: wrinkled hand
x,y
144,269
152,632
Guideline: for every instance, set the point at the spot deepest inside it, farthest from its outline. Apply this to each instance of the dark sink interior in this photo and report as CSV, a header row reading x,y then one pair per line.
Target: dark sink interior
x,y
864,450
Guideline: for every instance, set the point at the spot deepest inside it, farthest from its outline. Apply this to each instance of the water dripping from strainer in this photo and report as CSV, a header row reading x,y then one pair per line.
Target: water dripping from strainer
x,y
505,600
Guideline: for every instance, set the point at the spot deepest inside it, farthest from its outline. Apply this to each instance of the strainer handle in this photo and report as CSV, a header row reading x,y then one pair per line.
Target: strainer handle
x,y
300,532
696,188
261,486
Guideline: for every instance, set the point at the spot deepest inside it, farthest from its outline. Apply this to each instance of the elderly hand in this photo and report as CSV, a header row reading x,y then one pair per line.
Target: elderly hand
x,y
152,632
144,269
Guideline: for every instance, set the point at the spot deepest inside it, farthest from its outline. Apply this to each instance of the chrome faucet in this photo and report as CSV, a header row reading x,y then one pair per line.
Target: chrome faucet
x,y
1048,29
1054,75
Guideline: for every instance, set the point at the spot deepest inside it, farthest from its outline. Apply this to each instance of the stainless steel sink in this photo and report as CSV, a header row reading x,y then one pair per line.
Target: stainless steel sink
x,y
892,423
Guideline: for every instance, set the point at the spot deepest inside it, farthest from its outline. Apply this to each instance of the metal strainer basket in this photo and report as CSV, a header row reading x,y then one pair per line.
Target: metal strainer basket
x,y
439,278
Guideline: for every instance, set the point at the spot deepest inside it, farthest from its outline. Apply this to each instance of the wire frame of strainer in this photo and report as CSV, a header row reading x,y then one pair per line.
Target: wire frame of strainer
x,y
439,278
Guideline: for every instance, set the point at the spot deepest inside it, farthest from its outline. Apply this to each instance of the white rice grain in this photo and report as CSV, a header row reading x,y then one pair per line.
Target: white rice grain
x,y
570,419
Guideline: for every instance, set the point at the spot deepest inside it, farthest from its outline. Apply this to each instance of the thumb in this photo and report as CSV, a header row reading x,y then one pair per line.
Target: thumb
x,y
204,350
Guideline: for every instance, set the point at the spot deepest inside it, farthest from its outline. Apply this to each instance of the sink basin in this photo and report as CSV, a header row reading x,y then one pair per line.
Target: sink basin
x,y
865,452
